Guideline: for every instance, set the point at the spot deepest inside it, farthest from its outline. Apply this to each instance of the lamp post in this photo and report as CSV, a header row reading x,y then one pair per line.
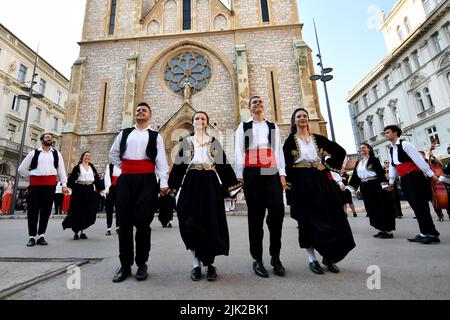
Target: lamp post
x,y
324,77
28,98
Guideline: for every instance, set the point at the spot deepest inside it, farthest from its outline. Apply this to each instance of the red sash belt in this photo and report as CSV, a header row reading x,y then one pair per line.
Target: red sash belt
x,y
137,166
43,181
260,158
114,180
406,167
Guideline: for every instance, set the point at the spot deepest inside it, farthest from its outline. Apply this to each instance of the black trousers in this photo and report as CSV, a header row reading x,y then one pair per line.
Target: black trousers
x,y
136,201
40,201
110,206
58,202
264,191
415,186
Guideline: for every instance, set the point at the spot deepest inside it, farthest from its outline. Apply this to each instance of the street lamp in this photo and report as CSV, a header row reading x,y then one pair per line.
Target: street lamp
x,y
324,77
28,98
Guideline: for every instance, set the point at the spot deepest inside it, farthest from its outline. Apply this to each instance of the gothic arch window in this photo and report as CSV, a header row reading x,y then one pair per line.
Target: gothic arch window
x,y
153,27
427,93
187,21
419,102
220,22
189,66
170,16
265,11
112,17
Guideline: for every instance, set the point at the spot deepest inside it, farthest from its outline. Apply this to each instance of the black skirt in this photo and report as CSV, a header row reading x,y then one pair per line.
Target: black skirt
x,y
379,205
201,214
346,197
316,206
83,208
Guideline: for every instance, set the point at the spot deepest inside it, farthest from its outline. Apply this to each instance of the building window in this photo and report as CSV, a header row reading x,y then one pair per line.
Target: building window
x,y
15,104
42,85
55,124
387,83
407,67
371,126
356,105
58,97
447,29
12,129
22,73
361,131
365,100
375,92
428,96
397,116
419,102
416,59
112,17
400,35
187,15
427,5
407,25
38,114
265,11
34,139
437,41
432,134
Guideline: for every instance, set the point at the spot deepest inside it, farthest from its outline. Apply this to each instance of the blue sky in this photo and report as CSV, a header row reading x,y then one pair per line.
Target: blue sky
x,y
350,44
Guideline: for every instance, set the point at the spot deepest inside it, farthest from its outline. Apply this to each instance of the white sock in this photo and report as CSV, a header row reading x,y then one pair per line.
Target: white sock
x,y
41,236
311,255
196,261
109,229
33,238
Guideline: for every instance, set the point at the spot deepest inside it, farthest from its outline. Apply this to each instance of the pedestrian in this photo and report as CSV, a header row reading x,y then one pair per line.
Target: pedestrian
x,y
370,178
259,164
202,176
8,189
139,151
407,162
346,195
322,222
112,174
44,166
58,198
84,180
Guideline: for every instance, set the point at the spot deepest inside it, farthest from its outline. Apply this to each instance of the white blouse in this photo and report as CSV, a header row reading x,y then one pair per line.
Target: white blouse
x,y
362,171
86,175
200,154
307,151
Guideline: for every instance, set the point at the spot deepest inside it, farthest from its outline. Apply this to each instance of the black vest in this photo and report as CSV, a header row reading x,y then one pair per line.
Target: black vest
x,y
151,150
34,161
402,155
248,133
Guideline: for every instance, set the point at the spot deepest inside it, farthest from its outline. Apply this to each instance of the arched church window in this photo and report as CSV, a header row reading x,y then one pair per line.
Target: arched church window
x,y
188,67
187,15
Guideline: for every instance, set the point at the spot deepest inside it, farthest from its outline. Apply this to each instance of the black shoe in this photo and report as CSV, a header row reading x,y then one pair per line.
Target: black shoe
x,y
315,267
378,235
425,239
196,274
76,237
108,232
355,215
141,273
121,274
259,269
41,241
83,236
169,225
385,235
331,266
211,273
278,268
31,242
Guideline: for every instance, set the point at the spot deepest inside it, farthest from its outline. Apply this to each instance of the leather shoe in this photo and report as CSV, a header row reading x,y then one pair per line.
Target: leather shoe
x,y
259,269
31,242
196,274
121,274
83,236
315,267
141,273
41,241
76,237
211,273
331,266
278,268
108,232
425,239
385,235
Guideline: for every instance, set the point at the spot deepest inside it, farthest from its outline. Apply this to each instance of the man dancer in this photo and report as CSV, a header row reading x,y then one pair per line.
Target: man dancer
x,y
140,153
112,174
407,162
259,163
44,166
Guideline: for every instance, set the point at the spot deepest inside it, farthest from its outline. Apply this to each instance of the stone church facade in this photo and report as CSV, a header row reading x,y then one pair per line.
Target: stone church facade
x,y
185,55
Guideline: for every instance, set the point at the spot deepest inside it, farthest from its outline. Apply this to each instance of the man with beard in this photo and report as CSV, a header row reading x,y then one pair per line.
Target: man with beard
x,y
44,166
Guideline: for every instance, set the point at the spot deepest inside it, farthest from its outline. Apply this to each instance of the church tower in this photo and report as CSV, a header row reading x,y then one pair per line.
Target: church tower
x,y
185,55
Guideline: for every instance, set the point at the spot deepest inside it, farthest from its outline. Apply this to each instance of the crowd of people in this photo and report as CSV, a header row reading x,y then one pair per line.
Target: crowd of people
x,y
308,167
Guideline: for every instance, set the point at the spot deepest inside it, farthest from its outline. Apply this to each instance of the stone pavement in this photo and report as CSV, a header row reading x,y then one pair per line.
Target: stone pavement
x,y
407,270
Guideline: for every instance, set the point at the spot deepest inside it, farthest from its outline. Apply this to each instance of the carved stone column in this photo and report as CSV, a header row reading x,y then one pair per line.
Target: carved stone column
x,y
130,91
243,84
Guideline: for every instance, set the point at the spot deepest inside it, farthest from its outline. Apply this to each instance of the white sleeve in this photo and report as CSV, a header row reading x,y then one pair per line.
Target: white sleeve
x,y
114,153
24,168
279,155
412,152
239,152
392,174
107,178
62,175
162,168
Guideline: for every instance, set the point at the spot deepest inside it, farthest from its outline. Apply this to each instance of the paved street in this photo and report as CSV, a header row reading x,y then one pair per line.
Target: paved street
x,y
408,271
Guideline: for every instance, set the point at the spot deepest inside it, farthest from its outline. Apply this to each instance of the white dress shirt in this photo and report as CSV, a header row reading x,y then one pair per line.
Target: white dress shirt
x,y
45,166
260,141
116,173
86,175
136,150
362,171
415,156
200,154
308,151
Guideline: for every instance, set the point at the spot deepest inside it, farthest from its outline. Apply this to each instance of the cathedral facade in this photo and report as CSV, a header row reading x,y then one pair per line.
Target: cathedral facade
x,y
182,56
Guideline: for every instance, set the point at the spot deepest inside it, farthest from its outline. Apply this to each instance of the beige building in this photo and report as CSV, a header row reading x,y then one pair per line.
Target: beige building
x,y
181,56
45,115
